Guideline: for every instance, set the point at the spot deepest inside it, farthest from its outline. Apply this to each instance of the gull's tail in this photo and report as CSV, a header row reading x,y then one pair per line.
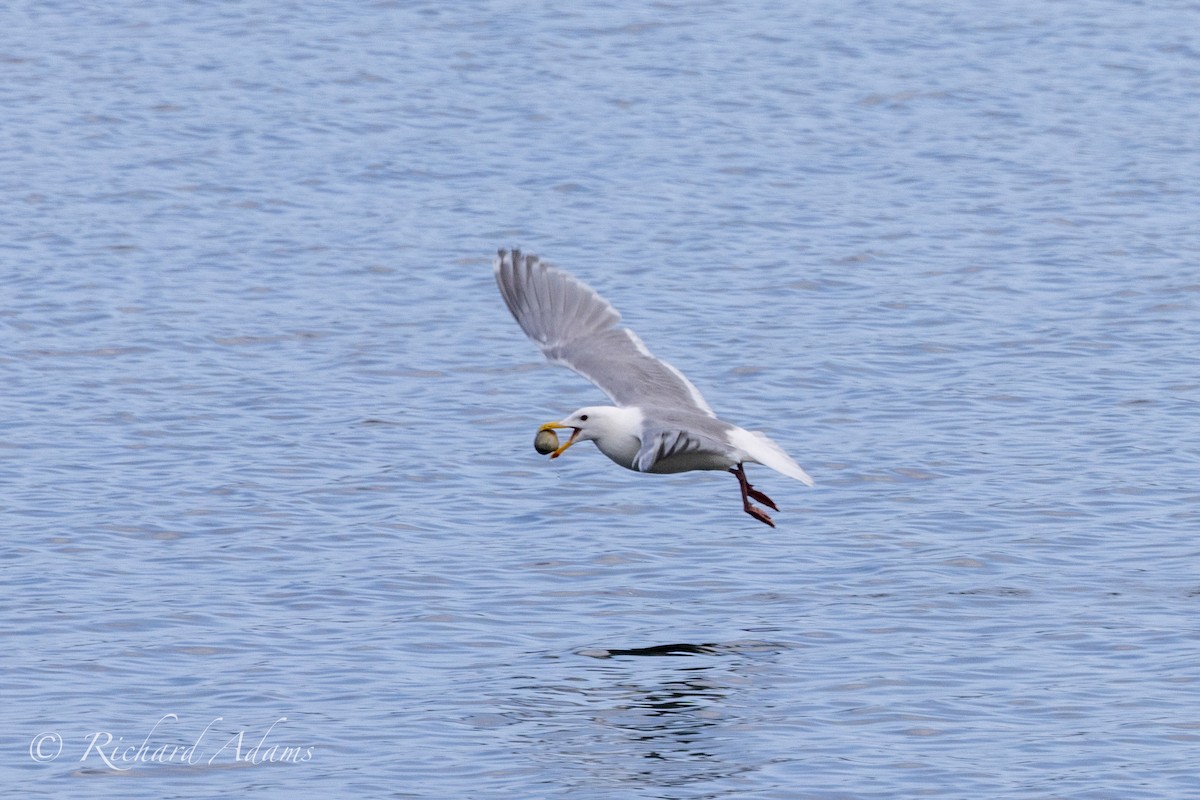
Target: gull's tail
x,y
762,450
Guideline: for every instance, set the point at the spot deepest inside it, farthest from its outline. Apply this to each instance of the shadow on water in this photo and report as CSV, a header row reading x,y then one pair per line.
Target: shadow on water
x,y
656,650
685,649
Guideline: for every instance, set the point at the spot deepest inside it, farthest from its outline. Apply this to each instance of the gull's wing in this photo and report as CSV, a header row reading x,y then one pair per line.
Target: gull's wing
x,y
659,444
578,328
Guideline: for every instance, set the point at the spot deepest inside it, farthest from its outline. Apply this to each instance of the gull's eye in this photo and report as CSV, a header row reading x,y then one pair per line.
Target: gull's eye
x,y
583,417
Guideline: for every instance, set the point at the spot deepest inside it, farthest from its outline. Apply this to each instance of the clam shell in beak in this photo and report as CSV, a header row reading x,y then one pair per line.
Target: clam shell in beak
x,y
546,441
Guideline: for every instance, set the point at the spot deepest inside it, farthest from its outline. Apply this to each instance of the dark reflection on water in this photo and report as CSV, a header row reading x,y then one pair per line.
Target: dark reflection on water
x,y
675,726
684,649
675,731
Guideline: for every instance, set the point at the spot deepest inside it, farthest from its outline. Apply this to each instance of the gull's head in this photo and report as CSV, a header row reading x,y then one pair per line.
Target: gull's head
x,y
593,422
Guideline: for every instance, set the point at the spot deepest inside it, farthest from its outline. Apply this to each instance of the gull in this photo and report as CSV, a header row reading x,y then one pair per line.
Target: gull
x,y
659,422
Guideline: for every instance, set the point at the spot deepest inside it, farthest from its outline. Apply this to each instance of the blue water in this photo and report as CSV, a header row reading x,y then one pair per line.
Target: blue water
x,y
268,490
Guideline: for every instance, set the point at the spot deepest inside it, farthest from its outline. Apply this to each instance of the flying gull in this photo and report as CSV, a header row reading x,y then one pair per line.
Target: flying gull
x,y
659,421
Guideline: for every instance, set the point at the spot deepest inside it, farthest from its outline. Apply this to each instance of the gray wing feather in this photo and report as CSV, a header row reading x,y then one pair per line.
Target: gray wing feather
x,y
577,328
662,444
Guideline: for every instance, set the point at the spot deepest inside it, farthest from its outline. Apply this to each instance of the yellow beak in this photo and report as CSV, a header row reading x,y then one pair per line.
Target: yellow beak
x,y
562,448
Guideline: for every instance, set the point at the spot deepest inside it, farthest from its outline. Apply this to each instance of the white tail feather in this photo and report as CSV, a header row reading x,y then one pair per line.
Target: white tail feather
x,y
762,450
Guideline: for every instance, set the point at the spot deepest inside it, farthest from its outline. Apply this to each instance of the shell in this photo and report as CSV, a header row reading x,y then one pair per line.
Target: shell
x,y
546,441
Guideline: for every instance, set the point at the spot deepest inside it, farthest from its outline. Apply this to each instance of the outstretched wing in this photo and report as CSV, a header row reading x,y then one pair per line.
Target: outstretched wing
x,y
577,328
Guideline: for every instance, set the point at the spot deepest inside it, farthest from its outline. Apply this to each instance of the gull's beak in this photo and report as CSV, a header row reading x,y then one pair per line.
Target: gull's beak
x,y
562,448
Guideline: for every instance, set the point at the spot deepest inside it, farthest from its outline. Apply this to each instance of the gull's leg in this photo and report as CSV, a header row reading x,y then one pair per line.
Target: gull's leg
x,y
760,497
749,491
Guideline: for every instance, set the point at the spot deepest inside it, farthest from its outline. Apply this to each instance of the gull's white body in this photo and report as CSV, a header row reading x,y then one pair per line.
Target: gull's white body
x,y
660,422
618,432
